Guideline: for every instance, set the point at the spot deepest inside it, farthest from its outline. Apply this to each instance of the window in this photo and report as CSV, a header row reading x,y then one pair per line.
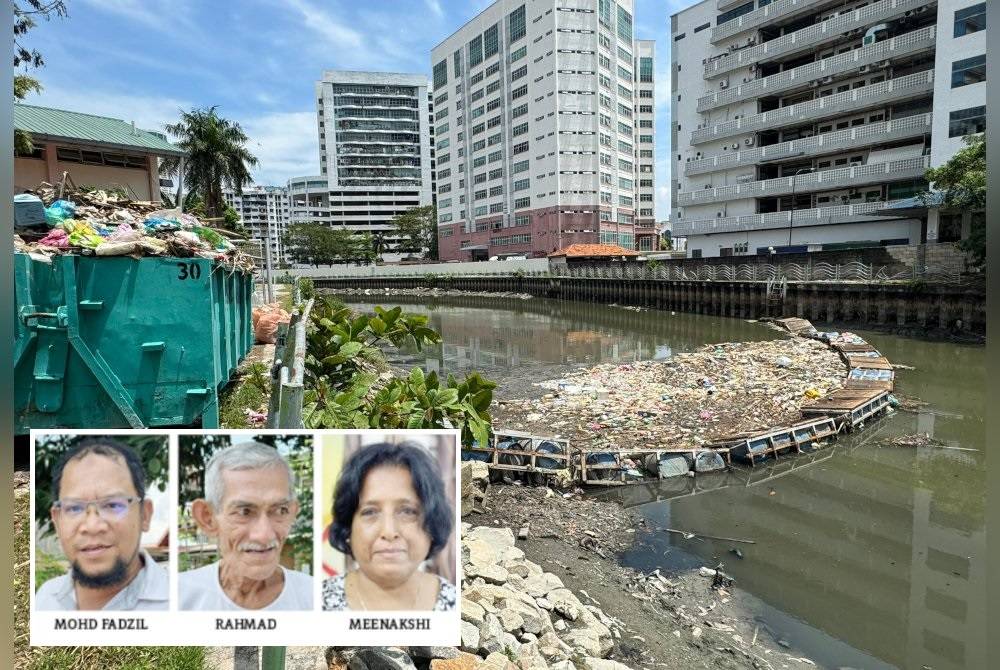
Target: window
x,y
624,72
520,166
521,220
443,144
494,122
968,71
458,64
967,122
495,156
493,104
518,73
625,53
970,20
475,51
478,211
645,93
522,184
703,26
604,12
478,162
495,139
734,13
440,74
645,69
625,24
518,54
625,201
626,184
516,24
645,139
441,130
521,203
520,110
491,44
520,129
678,38
496,190
496,173
520,148
624,128
519,92
604,61
477,112
493,87
496,208
625,165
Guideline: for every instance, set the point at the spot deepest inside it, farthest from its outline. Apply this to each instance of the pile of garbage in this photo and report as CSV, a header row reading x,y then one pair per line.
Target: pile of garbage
x,y
694,398
97,223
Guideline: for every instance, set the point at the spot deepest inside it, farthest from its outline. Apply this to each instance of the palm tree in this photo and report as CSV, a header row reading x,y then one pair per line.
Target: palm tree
x,y
216,156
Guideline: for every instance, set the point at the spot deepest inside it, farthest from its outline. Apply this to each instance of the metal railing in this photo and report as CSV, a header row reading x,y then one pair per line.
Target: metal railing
x,y
900,88
872,173
849,138
288,371
822,71
770,12
829,30
802,217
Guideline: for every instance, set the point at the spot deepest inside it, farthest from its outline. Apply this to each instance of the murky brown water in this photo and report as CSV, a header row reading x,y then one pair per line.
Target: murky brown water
x,y
865,556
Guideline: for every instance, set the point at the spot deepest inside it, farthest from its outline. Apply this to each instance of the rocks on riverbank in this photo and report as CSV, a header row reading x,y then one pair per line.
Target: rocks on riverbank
x,y
684,402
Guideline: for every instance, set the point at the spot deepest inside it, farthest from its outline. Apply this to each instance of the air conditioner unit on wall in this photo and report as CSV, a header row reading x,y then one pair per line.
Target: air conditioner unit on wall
x,y
724,84
748,141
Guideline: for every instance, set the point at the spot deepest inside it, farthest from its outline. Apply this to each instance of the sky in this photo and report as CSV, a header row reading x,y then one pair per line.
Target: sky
x,y
258,61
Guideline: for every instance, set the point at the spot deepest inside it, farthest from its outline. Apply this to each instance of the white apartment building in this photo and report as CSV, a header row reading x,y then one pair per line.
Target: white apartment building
x,y
264,212
375,153
794,121
544,129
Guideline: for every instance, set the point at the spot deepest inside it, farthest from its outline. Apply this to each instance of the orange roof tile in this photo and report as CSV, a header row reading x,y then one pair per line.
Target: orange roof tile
x,y
593,250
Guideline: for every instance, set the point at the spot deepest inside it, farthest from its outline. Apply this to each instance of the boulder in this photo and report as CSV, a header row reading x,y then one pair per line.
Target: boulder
x,y
463,661
510,620
472,612
470,637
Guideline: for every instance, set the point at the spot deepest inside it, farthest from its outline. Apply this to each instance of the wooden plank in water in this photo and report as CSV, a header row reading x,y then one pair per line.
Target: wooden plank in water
x,y
842,400
794,324
847,348
879,363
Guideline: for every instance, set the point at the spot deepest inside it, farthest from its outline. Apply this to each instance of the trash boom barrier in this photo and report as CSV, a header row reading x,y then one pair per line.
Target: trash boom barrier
x,y
122,342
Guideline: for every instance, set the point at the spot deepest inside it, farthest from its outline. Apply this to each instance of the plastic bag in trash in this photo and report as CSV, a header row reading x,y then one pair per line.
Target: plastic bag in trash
x,y
57,238
81,234
59,211
124,233
265,323
783,361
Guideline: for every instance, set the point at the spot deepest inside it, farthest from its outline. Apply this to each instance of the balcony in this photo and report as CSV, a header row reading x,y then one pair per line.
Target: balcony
x,y
874,173
895,90
849,138
802,218
782,9
824,70
807,38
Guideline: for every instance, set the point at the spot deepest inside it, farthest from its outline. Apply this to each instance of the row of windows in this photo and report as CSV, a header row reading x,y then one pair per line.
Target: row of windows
x,y
968,71
507,240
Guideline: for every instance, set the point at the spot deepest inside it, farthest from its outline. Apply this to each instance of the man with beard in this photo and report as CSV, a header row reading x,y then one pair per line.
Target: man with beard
x,y
249,508
99,512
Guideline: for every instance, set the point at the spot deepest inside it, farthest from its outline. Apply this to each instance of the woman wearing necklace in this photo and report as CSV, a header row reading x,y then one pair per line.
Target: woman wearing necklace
x,y
390,515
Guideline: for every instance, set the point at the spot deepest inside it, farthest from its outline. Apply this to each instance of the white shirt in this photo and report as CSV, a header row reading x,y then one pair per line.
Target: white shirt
x,y
148,590
200,590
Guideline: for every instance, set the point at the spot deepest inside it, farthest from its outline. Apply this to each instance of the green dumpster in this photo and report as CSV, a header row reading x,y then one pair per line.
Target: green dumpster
x,y
121,342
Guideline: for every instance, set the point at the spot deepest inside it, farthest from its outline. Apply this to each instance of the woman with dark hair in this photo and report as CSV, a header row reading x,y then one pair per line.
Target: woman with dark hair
x,y
390,515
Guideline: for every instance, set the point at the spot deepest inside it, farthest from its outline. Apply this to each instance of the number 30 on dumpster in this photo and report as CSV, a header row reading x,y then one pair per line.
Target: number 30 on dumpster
x,y
188,271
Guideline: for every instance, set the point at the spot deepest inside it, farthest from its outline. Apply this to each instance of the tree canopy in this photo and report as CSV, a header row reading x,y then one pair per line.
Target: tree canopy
x,y
417,230
217,156
318,244
962,184
25,13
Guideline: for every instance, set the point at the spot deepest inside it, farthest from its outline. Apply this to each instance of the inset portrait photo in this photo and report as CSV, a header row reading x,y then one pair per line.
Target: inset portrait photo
x,y
245,522
390,522
102,512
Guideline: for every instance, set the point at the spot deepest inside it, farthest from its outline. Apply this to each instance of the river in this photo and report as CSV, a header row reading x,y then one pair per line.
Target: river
x,y
864,556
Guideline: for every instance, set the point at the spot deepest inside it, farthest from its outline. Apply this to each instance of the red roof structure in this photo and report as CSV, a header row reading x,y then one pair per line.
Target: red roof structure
x,y
593,251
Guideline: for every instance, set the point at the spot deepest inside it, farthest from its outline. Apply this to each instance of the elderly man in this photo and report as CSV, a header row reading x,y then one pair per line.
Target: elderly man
x,y
249,506
100,511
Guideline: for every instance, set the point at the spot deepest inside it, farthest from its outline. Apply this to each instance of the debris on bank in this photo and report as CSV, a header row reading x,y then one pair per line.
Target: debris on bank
x,y
685,402
51,221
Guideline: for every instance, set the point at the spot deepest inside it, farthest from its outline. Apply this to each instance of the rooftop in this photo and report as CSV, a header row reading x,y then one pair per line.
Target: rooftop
x,y
593,251
46,122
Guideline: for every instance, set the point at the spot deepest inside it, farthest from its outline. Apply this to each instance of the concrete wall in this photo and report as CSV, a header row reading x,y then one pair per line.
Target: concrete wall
x,y
902,306
485,268
28,172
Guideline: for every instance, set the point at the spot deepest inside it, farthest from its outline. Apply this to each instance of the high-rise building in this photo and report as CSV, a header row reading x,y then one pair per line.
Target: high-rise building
x,y
264,212
543,129
796,121
375,153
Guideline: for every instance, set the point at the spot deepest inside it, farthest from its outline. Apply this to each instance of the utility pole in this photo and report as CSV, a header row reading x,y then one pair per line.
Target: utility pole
x,y
268,286
791,215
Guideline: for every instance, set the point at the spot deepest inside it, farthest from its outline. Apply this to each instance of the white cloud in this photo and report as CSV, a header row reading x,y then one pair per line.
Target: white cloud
x,y
285,144
435,7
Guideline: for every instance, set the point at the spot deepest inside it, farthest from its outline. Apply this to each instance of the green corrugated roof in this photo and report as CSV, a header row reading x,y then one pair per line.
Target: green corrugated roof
x,y
48,122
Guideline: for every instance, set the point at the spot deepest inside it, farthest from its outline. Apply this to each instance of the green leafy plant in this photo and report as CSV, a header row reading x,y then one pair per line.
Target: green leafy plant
x,y
346,389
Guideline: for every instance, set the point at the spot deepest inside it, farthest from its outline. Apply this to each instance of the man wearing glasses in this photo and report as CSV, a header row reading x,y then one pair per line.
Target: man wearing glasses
x,y
100,512
249,508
